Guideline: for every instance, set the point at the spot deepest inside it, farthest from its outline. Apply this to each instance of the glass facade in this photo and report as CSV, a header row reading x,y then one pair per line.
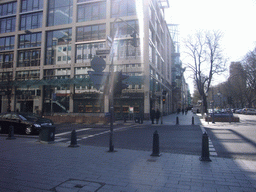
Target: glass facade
x,y
123,8
29,58
7,25
91,11
6,43
27,75
6,60
31,21
58,49
60,12
30,40
85,52
31,5
89,33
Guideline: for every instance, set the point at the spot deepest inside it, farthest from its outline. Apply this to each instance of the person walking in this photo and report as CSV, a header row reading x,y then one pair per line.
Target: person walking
x,y
157,115
152,115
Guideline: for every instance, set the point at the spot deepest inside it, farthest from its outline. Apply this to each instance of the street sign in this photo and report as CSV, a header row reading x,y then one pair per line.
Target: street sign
x,y
98,64
102,52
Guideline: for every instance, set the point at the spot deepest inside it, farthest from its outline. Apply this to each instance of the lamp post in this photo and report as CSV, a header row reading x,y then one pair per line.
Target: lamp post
x,y
111,81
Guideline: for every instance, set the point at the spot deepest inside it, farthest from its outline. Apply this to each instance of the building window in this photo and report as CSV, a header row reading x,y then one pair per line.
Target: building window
x,y
124,50
31,21
63,73
28,58
60,12
27,75
84,52
91,11
6,76
7,24
89,33
123,8
8,9
31,5
6,60
30,40
57,42
7,43
124,29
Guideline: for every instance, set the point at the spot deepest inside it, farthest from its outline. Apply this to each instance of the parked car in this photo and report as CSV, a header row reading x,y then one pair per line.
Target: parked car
x,y
249,111
24,123
238,111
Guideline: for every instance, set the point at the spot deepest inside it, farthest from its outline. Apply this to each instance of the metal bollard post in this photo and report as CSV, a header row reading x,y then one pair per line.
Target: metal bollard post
x,y
193,120
11,133
155,152
73,142
205,148
177,120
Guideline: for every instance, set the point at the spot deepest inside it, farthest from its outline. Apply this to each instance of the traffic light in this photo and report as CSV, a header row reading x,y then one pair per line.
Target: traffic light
x,y
118,83
164,99
134,39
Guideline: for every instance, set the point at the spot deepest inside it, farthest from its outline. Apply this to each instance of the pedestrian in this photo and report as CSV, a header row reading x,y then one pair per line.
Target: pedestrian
x,y
152,115
157,115
186,111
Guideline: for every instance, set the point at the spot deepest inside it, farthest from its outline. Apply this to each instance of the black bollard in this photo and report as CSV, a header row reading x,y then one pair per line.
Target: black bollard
x,y
11,133
193,120
177,120
73,142
205,148
155,152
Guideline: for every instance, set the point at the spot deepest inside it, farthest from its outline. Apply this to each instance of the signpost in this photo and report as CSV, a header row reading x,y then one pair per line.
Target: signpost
x,y
102,52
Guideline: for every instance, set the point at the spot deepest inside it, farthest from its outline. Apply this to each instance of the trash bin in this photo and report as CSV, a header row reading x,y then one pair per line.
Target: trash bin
x,y
47,133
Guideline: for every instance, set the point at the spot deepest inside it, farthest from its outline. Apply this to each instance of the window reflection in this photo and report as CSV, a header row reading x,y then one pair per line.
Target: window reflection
x,y
60,12
58,47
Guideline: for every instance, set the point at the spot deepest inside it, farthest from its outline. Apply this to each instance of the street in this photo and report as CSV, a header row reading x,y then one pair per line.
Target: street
x,y
234,140
231,140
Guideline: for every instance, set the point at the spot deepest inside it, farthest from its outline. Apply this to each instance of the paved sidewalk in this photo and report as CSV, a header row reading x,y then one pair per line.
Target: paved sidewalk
x,y
28,165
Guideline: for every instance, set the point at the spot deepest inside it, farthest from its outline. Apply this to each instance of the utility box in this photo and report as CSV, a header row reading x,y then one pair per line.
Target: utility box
x,y
47,134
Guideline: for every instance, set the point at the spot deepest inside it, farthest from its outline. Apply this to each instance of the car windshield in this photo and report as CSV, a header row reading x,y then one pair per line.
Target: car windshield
x,y
30,117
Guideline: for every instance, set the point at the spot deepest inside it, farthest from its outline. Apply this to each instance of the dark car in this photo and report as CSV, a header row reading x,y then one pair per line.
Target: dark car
x,y
24,123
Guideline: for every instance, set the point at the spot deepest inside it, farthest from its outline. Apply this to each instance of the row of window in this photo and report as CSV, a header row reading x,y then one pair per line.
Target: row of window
x,y
60,12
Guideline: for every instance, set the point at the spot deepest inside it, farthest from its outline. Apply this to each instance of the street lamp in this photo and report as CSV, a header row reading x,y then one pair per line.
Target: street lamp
x,y
111,81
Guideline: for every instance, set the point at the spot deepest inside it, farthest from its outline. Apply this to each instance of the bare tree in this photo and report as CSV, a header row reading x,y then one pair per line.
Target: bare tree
x,y
249,64
205,59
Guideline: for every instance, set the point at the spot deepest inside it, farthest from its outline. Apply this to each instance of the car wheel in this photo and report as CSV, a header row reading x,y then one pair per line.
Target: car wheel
x,y
28,130
1,129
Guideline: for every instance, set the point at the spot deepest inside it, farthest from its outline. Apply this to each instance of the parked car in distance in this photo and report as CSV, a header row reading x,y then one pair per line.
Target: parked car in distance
x,y
239,111
249,111
23,123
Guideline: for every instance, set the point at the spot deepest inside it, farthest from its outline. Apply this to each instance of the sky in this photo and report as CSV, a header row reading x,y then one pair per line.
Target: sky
x,y
235,19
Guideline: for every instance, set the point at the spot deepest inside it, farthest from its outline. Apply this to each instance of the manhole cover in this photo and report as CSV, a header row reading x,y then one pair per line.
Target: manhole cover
x,y
78,185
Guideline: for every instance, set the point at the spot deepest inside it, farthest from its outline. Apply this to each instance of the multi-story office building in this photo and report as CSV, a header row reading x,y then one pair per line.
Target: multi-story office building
x,y
46,48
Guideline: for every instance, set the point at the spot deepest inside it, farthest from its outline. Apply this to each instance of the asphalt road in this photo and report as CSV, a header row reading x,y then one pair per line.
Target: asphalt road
x,y
184,139
234,140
